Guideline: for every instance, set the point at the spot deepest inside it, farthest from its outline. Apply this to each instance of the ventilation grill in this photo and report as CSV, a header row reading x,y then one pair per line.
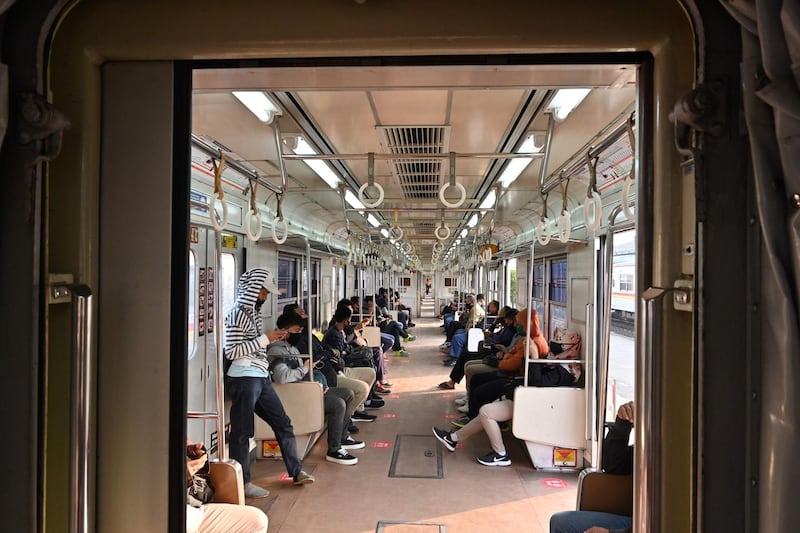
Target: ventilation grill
x,y
418,178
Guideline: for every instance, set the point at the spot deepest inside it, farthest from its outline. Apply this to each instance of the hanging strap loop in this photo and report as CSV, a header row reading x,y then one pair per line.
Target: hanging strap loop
x,y
453,183
593,200
279,221
626,186
565,220
217,222
371,183
253,213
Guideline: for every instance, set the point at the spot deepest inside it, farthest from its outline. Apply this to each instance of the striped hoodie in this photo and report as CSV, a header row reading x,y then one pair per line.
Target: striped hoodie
x,y
243,325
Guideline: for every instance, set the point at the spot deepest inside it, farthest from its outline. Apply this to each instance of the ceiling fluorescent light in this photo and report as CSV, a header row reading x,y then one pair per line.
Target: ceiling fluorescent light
x,y
373,221
351,199
473,221
464,233
320,167
566,100
259,104
516,166
488,202
385,233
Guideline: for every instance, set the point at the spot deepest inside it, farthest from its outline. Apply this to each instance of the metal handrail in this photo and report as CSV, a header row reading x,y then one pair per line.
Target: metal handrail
x,y
385,157
222,452
647,443
83,395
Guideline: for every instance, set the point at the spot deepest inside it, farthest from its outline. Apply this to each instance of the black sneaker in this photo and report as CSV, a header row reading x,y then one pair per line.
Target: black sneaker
x,y
494,459
341,457
361,416
352,444
445,438
352,428
375,403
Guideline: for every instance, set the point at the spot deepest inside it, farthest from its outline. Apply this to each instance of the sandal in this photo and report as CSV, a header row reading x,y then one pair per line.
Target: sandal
x,y
445,385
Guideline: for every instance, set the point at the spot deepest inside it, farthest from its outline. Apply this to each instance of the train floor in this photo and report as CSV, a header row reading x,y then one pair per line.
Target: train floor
x,y
432,489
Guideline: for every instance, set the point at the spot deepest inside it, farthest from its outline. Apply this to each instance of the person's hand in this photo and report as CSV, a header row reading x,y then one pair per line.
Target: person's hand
x,y
596,529
277,335
627,412
500,347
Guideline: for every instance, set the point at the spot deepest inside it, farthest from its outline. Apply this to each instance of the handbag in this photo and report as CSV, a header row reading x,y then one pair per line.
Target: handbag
x,y
199,489
359,356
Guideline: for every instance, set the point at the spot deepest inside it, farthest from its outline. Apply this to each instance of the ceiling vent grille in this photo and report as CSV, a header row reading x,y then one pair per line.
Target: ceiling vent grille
x,y
418,178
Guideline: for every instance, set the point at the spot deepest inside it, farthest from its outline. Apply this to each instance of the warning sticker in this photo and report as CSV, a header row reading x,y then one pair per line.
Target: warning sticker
x,y
554,483
565,457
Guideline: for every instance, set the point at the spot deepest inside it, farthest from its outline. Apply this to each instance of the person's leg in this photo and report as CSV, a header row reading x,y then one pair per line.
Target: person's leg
x,y
359,388
580,521
346,397
230,518
402,317
269,407
244,392
457,344
474,368
380,363
484,389
470,429
457,374
334,414
387,341
489,415
366,375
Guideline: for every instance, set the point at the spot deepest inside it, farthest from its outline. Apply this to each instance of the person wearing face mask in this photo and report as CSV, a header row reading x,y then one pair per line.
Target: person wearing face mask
x,y
248,379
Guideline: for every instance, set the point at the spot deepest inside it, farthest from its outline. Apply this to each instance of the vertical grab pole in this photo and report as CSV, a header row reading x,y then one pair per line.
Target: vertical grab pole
x,y
82,444
602,370
647,434
222,452
308,310
530,314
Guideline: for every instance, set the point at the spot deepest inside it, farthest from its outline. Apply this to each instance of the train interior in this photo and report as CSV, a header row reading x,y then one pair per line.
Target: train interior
x,y
476,179
626,171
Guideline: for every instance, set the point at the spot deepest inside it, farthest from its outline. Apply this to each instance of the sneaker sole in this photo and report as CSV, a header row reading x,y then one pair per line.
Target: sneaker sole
x,y
353,446
307,481
256,497
348,462
360,420
506,462
444,442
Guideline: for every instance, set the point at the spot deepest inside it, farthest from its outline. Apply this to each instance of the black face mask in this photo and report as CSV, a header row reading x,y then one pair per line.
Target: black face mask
x,y
259,303
294,338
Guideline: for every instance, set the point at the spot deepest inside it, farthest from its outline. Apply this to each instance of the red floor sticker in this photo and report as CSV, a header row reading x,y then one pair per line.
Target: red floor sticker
x,y
389,415
285,477
382,444
554,483
459,446
394,396
452,416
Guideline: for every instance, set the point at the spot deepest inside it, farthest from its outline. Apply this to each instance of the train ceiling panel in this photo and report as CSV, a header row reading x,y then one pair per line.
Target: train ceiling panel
x,y
413,110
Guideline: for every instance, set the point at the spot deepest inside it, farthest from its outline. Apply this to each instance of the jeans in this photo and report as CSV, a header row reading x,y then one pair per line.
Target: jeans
x,y
387,341
251,396
457,344
580,521
339,407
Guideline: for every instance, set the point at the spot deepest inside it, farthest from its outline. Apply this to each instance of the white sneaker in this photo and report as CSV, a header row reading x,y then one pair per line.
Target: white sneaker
x,y
254,491
463,409
461,401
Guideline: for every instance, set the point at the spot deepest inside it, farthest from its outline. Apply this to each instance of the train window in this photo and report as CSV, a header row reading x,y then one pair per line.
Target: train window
x,y
192,320
511,283
558,281
621,361
287,277
227,281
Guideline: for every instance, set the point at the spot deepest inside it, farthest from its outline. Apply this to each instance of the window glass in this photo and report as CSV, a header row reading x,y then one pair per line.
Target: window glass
x,y
227,281
622,342
558,281
192,321
287,277
558,319
538,281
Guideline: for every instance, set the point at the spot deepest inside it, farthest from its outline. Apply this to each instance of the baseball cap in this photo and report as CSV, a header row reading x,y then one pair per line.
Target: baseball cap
x,y
269,283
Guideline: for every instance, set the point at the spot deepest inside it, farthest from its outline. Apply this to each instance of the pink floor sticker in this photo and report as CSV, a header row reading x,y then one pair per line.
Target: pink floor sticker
x,y
389,415
452,416
382,444
554,483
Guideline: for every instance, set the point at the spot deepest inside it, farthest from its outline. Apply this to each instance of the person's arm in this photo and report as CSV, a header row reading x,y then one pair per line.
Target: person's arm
x,y
512,360
617,454
241,341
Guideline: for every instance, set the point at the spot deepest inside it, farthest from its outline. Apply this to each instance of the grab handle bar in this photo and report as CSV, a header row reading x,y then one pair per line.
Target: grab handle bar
x,y
83,387
648,434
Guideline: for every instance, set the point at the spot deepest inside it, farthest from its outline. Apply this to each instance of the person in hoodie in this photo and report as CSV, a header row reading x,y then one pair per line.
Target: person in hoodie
x,y
338,405
248,379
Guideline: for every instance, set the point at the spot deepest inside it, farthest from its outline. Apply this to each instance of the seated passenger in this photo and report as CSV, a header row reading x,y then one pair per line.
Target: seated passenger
x,y
487,387
390,327
357,380
337,401
617,459
469,320
459,340
215,517
488,347
489,417
566,344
